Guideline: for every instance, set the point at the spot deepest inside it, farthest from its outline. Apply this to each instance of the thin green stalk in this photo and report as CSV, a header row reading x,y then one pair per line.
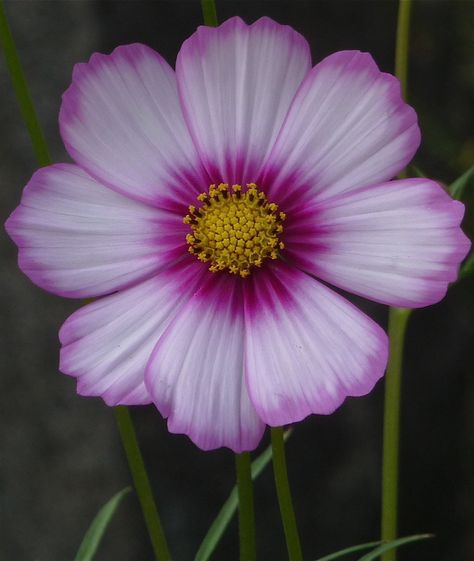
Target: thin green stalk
x,y
248,549
284,496
21,90
402,45
142,484
397,323
209,12
398,318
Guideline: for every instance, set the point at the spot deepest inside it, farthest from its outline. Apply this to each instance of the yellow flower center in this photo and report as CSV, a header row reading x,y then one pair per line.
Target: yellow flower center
x,y
234,229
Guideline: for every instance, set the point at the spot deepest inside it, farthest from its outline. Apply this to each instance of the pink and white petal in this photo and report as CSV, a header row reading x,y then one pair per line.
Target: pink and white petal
x,y
122,122
348,127
107,344
195,374
78,238
398,243
236,84
306,347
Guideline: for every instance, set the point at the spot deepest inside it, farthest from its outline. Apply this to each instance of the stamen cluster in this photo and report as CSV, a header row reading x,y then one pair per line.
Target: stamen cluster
x,y
234,229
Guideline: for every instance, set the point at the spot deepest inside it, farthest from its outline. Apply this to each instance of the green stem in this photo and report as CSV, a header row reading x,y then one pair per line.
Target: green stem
x,y
209,12
398,318
21,90
248,551
284,496
402,45
397,323
142,484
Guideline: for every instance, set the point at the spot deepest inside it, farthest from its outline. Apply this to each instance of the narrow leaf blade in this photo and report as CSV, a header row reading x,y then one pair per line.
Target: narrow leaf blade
x,y
217,528
458,186
376,553
417,171
96,530
348,551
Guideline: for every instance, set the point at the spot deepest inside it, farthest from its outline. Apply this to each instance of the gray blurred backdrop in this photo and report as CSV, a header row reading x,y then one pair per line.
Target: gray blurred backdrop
x,y
61,458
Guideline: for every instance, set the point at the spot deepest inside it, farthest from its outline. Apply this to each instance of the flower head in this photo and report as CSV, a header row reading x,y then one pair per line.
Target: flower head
x,y
203,207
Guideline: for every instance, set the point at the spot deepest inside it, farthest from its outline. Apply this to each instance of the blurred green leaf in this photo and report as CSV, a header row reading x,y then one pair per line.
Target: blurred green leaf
x,y
458,187
377,552
96,530
417,171
468,268
215,532
348,551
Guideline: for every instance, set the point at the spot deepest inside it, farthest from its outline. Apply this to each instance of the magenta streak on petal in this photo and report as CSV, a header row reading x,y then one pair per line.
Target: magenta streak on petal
x,y
236,169
184,187
303,235
262,295
225,291
293,196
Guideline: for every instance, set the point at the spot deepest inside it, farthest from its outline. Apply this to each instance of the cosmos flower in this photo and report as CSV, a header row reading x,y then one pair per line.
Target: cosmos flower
x,y
208,207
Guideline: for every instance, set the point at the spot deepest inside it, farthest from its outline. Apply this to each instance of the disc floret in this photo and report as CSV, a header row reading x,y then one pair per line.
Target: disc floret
x,y
234,229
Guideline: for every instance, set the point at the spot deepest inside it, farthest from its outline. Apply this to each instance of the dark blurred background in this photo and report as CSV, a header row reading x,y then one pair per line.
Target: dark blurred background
x,y
61,458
